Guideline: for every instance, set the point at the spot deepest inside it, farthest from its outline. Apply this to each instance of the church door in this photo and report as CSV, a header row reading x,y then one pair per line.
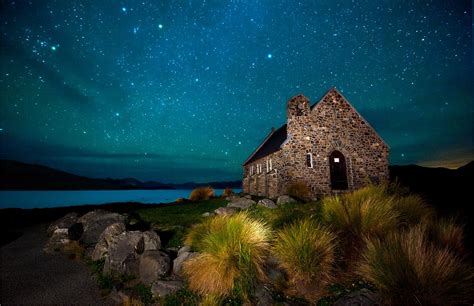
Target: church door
x,y
337,166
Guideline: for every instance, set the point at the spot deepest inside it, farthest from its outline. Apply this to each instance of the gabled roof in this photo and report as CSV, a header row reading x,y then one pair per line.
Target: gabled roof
x,y
272,143
276,138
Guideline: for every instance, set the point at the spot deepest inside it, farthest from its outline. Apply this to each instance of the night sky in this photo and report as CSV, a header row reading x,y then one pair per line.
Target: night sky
x,y
184,91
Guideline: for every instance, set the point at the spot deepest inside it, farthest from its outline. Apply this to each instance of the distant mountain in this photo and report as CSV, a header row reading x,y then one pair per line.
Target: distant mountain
x,y
16,175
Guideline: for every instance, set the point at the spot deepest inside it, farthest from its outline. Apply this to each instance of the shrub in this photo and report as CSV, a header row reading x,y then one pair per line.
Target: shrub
x,y
412,209
299,191
232,253
227,192
305,250
408,268
201,194
364,212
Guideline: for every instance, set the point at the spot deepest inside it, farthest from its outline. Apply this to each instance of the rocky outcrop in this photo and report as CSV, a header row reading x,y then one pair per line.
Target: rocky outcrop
x,y
241,203
162,288
95,222
225,211
123,255
267,203
63,231
284,199
107,239
154,264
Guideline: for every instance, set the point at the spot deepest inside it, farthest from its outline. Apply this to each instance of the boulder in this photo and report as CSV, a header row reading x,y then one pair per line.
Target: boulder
x,y
64,222
106,239
241,203
284,199
124,254
179,261
248,196
208,214
153,265
95,222
162,288
267,203
58,239
363,297
75,231
225,211
186,248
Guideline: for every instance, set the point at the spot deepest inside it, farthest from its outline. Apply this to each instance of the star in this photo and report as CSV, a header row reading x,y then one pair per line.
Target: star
x,y
124,9
269,55
53,48
160,26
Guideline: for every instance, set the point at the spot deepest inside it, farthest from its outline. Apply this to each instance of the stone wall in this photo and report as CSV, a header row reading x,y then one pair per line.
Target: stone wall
x,y
333,124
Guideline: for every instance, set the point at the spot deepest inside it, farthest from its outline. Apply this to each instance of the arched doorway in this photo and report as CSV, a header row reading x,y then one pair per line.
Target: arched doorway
x,y
337,167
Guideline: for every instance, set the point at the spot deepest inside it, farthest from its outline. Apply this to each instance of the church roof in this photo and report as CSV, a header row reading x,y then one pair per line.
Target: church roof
x,y
271,144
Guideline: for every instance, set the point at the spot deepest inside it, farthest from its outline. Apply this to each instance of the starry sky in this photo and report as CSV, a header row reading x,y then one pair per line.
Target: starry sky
x,y
184,91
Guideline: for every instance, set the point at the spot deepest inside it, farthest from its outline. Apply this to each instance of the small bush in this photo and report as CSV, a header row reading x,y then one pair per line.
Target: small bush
x,y
364,212
305,250
409,269
143,293
181,297
299,190
232,253
227,192
445,233
201,194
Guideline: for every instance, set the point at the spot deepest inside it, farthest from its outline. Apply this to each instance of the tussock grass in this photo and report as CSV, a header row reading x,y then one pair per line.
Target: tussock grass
x,y
227,192
232,253
305,249
201,193
299,191
412,209
408,268
365,212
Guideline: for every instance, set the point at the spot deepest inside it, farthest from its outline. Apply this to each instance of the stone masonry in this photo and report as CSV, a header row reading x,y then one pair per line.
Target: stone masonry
x,y
329,147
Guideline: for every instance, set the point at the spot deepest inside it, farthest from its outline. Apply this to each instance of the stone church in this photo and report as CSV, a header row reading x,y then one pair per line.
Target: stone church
x,y
327,146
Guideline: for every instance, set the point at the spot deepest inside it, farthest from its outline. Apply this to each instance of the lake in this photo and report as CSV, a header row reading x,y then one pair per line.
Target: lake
x,y
44,199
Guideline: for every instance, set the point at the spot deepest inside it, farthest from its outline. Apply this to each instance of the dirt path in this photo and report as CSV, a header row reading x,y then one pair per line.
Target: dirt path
x,y
29,276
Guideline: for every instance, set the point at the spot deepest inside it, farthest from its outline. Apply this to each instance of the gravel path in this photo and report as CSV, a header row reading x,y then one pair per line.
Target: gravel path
x,y
29,276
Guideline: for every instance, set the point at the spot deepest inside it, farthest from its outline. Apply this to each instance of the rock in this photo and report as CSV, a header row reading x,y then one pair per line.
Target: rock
x,y
162,288
263,296
241,203
95,222
58,239
182,257
363,297
225,211
107,238
124,253
186,248
208,214
75,231
248,196
284,199
153,265
267,203
65,222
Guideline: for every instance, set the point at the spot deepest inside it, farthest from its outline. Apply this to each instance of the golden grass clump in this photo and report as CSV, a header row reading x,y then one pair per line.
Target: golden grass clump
x,y
364,212
201,193
232,254
227,192
410,269
412,209
305,250
299,191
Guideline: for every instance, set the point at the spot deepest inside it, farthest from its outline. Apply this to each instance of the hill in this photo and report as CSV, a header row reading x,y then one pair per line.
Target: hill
x,y
16,175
